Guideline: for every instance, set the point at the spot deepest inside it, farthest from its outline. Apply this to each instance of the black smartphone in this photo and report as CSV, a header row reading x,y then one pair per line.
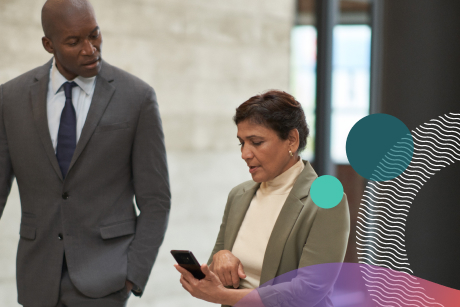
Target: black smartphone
x,y
186,260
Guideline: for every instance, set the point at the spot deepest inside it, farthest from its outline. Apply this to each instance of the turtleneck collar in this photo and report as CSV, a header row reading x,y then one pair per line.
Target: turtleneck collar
x,y
283,183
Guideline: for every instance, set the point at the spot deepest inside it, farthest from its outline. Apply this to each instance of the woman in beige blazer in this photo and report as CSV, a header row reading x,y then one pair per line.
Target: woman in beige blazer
x,y
271,225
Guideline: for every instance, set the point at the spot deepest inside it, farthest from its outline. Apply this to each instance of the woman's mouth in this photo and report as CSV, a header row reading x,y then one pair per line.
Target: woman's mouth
x,y
253,169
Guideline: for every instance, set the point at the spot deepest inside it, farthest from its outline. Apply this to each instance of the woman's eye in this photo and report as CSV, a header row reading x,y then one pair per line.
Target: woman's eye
x,y
256,144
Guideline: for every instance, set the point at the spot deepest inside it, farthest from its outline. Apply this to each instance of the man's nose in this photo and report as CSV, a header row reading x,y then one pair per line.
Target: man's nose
x,y
88,48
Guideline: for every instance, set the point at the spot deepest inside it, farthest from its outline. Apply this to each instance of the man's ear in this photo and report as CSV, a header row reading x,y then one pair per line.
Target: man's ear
x,y
47,44
294,139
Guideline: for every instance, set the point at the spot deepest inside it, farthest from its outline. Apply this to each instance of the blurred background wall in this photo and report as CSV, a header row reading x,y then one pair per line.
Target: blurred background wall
x,y
203,58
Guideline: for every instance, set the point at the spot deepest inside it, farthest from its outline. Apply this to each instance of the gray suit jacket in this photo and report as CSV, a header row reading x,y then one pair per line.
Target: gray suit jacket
x,y
120,154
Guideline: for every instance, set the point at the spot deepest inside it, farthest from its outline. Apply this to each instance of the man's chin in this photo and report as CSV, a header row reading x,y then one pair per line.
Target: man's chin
x,y
89,71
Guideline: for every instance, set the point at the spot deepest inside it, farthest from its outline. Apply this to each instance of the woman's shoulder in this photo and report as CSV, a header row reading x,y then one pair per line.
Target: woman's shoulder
x,y
239,190
242,187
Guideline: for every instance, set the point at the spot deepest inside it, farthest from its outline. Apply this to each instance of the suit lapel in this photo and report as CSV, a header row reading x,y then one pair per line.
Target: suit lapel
x,y
236,215
38,97
285,222
103,92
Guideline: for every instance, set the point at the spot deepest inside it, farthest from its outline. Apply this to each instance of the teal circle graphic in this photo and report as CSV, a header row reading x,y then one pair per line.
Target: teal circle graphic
x,y
380,147
326,191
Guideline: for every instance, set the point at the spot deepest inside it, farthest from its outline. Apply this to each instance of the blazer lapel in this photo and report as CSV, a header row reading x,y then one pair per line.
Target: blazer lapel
x,y
285,222
275,246
38,97
236,215
101,98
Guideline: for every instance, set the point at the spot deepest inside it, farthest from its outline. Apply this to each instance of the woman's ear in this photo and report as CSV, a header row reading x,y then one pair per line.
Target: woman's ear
x,y
293,138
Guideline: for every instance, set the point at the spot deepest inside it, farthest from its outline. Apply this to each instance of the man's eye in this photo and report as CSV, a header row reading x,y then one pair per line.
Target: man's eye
x,y
73,44
256,144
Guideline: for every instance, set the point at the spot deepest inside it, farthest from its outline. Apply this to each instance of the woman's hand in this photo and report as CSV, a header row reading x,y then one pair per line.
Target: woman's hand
x,y
212,290
209,288
228,268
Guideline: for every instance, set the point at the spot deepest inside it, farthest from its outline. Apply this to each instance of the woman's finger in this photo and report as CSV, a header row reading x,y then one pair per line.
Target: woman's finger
x,y
241,273
221,277
185,284
186,274
221,274
235,278
211,266
211,276
206,270
228,278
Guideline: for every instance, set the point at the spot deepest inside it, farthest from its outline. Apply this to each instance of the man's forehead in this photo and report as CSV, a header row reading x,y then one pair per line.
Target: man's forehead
x,y
66,15
67,5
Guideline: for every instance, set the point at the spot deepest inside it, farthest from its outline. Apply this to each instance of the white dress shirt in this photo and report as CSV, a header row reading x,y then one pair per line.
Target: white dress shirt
x,y
81,100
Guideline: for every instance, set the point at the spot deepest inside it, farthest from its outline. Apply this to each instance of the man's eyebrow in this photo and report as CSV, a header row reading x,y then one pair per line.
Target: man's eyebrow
x,y
95,29
77,37
71,37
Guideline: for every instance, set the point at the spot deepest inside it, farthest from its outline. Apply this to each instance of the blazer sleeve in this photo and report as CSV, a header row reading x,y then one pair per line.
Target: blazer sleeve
x,y
326,243
219,245
152,191
6,169
328,238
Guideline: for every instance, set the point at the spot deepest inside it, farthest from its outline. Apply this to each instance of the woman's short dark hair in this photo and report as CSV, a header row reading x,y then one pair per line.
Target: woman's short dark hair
x,y
276,110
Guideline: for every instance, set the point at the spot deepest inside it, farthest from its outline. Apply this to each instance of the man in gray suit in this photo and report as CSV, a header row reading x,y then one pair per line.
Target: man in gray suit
x,y
82,138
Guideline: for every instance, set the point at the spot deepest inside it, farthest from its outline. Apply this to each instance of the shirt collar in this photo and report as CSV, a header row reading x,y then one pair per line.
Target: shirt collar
x,y
57,80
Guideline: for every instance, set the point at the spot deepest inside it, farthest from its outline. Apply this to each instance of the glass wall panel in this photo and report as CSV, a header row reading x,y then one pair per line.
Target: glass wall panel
x,y
350,83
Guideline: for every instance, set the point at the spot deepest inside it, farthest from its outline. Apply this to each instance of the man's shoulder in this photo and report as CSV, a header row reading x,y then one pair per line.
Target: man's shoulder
x,y
27,77
123,77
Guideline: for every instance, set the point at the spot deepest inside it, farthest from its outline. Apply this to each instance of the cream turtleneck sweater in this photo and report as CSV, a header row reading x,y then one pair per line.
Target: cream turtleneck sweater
x,y
258,223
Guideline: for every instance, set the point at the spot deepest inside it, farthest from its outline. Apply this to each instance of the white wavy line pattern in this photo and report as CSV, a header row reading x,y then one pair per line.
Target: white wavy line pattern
x,y
385,205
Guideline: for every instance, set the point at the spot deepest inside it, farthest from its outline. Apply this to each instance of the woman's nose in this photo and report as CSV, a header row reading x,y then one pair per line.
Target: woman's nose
x,y
246,153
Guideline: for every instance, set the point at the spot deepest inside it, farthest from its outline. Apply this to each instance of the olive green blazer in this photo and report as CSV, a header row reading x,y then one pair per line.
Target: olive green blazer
x,y
304,234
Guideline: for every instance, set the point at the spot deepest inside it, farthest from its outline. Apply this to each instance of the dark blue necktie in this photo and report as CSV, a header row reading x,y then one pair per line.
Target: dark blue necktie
x,y
67,135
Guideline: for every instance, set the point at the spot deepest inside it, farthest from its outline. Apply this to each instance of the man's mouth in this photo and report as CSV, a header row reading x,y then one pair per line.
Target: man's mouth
x,y
253,169
92,63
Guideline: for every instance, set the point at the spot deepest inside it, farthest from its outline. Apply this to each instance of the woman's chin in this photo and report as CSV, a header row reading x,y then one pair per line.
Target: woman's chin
x,y
258,177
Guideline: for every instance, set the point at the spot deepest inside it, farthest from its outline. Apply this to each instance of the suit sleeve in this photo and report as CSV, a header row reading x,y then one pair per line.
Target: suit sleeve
x,y
220,237
6,170
152,191
326,243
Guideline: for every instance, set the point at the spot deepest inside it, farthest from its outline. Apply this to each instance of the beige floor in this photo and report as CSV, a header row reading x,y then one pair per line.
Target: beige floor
x,y
200,184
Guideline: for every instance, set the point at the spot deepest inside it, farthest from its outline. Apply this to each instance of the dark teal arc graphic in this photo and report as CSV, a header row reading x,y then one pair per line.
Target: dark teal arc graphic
x,y
384,208
379,147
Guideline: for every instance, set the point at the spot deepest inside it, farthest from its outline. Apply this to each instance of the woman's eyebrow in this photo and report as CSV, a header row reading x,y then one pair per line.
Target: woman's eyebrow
x,y
250,137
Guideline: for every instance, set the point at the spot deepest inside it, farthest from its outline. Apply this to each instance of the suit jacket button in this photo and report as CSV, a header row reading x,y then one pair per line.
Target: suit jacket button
x,y
65,195
60,237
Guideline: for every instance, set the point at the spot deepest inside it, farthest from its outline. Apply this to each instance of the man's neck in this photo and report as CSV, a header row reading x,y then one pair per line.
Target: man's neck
x,y
68,75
